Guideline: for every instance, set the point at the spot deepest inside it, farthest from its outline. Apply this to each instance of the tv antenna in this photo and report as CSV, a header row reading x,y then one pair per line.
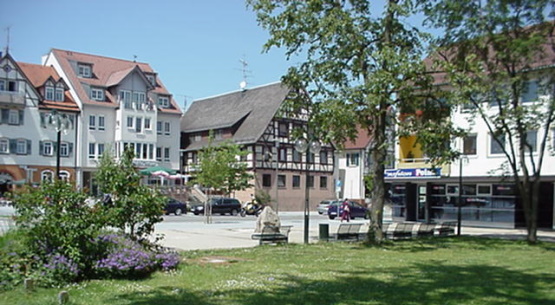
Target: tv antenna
x,y
245,71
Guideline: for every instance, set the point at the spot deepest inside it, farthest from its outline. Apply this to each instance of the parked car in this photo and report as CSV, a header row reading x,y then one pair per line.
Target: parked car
x,y
221,206
323,206
174,206
356,210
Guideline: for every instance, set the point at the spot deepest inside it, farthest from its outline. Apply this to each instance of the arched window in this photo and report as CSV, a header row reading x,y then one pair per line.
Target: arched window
x,y
47,176
64,175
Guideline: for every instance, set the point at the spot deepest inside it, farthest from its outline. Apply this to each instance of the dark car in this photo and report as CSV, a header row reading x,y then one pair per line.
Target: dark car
x,y
221,206
357,210
176,207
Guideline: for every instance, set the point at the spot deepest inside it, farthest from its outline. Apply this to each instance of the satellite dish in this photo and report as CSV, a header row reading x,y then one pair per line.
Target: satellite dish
x,y
243,85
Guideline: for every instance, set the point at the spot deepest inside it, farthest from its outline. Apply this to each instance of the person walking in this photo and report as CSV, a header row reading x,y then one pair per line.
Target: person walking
x,y
346,210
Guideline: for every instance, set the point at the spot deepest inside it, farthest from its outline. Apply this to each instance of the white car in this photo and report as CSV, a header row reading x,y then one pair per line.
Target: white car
x,y
323,206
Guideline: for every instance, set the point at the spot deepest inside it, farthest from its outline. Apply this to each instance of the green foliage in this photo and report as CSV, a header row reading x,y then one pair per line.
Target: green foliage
x,y
134,208
220,167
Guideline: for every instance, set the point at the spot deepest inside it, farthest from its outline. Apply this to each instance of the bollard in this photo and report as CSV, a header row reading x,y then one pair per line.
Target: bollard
x,y
324,231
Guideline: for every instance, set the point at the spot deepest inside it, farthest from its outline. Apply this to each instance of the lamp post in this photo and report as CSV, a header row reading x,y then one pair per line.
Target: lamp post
x,y
60,123
459,208
303,146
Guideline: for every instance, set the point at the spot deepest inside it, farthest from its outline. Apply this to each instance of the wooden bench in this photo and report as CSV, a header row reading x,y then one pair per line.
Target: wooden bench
x,y
447,228
426,230
273,235
348,231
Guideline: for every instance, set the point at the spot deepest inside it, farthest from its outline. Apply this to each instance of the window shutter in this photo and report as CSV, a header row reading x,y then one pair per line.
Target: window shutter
x,y
41,148
29,142
70,149
55,148
13,146
5,116
43,120
21,116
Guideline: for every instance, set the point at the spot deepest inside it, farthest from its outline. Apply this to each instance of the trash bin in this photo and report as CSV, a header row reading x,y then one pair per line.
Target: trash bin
x,y
324,231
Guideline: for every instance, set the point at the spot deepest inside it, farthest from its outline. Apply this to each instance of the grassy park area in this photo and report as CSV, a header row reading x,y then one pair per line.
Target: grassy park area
x,y
426,271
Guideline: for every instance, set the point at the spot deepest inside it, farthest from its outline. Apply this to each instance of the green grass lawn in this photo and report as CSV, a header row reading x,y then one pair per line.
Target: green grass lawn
x,y
430,271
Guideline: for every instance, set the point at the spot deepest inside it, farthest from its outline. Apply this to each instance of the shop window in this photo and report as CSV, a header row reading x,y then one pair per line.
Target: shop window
x,y
266,180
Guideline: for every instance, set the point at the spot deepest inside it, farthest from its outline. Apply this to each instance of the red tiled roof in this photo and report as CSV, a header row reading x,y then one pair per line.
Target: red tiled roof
x,y
107,72
362,140
38,75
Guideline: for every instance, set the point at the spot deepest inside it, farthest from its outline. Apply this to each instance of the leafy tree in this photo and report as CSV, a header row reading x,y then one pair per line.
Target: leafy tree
x,y
359,70
220,168
133,208
489,53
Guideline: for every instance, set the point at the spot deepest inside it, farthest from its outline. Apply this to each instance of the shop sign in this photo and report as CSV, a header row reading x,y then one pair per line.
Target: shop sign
x,y
403,173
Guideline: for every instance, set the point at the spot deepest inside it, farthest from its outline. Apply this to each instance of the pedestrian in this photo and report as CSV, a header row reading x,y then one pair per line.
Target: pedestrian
x,y
346,210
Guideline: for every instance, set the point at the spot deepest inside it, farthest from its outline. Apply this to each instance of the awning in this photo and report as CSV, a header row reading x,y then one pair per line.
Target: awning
x,y
157,170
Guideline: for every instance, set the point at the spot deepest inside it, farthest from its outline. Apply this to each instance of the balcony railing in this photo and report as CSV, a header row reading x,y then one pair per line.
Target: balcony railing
x,y
12,98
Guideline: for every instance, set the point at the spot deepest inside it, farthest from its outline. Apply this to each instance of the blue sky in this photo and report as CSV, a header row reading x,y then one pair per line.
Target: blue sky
x,y
195,45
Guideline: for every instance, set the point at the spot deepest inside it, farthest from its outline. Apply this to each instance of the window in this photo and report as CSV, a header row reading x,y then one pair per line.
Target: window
x,y
47,148
323,157
529,91
92,150
64,175
49,93
151,78
4,146
150,151
164,101
101,123
469,145
130,122
8,85
97,94
218,134
159,153
47,176
353,159
64,149
92,122
100,149
532,139
266,180
310,156
281,181
167,128
323,182
147,124
282,154
311,181
296,156
159,127
495,146
167,154
21,148
59,96
283,130
138,100
125,98
84,70
13,118
139,125
296,181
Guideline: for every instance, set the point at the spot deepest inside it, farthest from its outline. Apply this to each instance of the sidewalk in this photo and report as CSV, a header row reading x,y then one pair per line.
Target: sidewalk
x,y
212,236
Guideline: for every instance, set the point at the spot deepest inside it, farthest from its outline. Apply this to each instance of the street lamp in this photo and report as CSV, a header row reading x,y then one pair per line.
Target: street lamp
x,y
303,146
60,123
459,208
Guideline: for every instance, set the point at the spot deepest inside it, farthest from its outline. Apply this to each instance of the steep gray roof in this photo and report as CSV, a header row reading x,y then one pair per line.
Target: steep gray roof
x,y
252,108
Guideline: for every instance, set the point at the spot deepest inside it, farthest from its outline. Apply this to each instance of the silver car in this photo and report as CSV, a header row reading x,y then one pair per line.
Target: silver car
x,y
323,206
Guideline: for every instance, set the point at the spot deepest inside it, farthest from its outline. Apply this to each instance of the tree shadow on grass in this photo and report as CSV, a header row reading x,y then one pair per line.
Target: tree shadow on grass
x,y
429,283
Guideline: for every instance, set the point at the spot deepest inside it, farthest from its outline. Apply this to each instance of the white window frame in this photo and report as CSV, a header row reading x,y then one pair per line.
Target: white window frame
x,y
130,122
469,136
159,127
139,99
158,153
47,176
166,154
97,94
167,128
164,101
478,193
13,117
125,96
492,142
148,124
92,150
84,70
350,156
4,146
64,175
21,148
138,124
48,148
5,85
64,149
101,122
535,134
49,93
92,122
59,94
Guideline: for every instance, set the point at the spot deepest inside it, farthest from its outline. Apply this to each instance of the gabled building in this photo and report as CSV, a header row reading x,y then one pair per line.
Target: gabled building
x,y
257,120
29,95
123,104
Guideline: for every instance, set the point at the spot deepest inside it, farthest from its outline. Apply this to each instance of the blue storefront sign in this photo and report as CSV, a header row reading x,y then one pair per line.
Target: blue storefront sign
x,y
403,173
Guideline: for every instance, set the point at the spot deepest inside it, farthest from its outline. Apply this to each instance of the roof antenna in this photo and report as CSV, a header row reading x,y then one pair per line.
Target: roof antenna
x,y
8,40
243,83
134,58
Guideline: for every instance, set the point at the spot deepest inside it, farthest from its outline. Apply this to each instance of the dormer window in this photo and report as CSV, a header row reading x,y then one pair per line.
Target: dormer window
x,y
97,94
151,78
164,101
84,70
49,93
59,94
